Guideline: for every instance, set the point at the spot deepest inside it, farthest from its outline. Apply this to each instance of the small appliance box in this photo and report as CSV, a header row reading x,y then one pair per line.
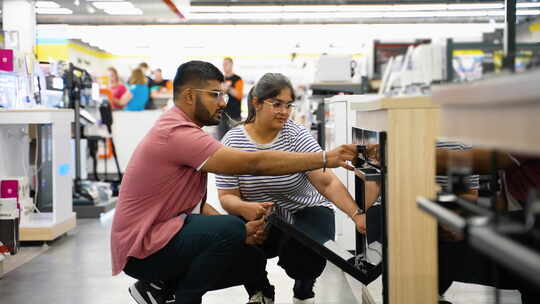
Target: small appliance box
x,y
6,60
9,224
18,188
9,188
334,68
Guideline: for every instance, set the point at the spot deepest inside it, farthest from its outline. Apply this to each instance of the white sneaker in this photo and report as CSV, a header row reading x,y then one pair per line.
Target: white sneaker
x,y
306,301
259,298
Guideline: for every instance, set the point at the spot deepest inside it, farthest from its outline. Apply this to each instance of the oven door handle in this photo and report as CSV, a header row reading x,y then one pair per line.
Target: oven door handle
x,y
368,174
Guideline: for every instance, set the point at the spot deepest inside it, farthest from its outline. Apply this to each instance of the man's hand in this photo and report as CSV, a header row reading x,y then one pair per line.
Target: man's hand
x,y
255,232
339,156
252,211
360,222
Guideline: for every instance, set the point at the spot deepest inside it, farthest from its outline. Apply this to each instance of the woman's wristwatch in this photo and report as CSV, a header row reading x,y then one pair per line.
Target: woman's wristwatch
x,y
357,212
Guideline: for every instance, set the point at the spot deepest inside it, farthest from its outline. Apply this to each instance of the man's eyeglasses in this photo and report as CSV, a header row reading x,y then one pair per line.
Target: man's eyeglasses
x,y
278,105
217,94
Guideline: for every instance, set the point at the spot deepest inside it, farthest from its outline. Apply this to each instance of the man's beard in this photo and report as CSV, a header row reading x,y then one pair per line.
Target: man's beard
x,y
202,115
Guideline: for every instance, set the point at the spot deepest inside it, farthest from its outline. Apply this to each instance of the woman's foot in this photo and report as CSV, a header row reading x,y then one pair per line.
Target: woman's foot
x,y
306,301
303,292
259,298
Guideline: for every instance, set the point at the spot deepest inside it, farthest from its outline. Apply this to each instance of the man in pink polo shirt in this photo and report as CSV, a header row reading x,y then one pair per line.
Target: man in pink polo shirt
x,y
164,234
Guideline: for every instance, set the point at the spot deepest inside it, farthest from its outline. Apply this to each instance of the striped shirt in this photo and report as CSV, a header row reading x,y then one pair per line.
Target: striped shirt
x,y
291,192
473,181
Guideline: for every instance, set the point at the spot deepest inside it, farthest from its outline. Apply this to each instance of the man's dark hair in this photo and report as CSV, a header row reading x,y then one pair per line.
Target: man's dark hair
x,y
195,73
143,65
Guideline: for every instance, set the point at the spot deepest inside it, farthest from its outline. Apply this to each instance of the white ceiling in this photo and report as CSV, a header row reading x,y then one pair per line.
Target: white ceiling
x,y
246,12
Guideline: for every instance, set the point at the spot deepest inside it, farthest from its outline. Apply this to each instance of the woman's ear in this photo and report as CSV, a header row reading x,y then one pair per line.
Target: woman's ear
x,y
255,103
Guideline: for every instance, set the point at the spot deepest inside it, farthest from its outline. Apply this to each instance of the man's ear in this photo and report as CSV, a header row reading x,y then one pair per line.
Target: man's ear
x,y
188,96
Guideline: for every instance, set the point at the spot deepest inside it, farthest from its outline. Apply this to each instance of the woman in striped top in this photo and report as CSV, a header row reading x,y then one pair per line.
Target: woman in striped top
x,y
303,199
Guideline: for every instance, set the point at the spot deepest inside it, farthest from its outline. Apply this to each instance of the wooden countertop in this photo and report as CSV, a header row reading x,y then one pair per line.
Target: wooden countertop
x,y
386,103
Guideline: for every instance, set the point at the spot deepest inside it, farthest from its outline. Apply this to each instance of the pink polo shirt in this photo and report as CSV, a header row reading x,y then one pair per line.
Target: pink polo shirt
x,y
160,184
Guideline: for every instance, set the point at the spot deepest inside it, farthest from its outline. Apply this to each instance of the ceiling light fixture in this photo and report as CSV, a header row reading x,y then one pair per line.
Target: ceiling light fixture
x,y
361,15
53,11
351,8
132,11
47,4
113,5
528,5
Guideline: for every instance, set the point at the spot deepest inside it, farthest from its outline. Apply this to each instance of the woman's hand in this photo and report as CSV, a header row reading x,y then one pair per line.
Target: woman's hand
x,y
339,157
360,222
252,211
255,232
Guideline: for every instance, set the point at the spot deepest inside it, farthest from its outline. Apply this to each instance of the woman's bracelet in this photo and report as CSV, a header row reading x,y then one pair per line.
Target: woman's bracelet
x,y
357,212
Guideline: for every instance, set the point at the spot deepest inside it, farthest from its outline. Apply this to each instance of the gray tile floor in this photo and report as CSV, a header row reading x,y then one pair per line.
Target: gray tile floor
x,y
76,269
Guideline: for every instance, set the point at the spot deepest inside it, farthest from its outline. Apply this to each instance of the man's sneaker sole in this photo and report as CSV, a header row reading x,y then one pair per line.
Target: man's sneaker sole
x,y
138,297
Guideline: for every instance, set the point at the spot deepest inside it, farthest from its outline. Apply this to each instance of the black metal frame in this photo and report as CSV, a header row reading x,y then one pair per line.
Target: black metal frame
x,y
484,235
345,261
510,36
370,171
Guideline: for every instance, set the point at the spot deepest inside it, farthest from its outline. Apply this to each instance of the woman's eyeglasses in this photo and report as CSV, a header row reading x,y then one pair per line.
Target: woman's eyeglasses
x,y
278,105
217,94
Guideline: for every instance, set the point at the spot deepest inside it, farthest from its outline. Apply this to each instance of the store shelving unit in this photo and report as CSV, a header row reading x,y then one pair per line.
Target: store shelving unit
x,y
47,226
486,47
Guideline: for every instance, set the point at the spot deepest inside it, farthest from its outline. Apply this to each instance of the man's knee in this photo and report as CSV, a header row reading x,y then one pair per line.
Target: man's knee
x,y
231,228
303,265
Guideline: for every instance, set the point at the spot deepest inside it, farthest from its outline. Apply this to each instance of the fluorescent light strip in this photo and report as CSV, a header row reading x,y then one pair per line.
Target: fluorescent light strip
x,y
528,5
47,4
113,5
418,7
473,6
255,9
132,11
528,12
54,11
352,8
361,15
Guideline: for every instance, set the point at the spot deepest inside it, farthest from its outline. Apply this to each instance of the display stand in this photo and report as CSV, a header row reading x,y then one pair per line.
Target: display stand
x,y
412,126
47,226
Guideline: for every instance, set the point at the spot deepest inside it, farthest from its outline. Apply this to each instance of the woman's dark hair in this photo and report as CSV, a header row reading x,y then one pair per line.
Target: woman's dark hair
x,y
269,86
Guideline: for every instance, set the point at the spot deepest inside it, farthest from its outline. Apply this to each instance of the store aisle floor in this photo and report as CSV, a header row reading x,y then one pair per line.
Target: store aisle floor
x,y
76,270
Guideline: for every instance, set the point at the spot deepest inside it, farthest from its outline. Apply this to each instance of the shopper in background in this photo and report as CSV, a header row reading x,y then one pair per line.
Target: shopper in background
x,y
138,90
234,86
304,199
146,71
117,89
157,237
158,85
